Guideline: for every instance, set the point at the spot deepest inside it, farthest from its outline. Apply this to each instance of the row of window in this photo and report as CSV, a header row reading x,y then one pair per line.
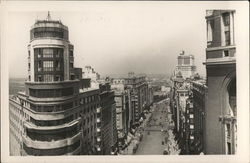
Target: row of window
x,y
183,94
52,108
48,52
89,99
47,93
52,122
49,78
54,34
89,119
90,130
57,135
48,66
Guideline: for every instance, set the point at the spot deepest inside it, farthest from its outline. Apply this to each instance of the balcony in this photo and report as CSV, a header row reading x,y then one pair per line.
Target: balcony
x,y
98,110
98,139
51,144
76,151
30,125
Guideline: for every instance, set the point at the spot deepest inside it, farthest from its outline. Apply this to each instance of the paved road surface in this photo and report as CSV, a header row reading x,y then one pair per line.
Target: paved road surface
x,y
152,144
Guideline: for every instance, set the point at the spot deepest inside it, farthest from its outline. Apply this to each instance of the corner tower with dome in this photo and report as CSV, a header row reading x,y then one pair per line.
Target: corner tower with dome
x,y
58,113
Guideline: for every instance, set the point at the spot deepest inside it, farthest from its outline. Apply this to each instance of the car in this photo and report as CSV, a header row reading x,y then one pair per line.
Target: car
x,y
165,152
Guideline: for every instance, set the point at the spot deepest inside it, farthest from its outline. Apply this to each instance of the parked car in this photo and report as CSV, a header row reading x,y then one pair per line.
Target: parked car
x,y
165,152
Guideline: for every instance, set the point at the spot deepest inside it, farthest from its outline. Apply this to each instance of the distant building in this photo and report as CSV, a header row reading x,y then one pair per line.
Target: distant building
x,y
179,95
139,95
108,127
182,103
221,110
185,65
90,73
195,117
129,92
122,116
165,89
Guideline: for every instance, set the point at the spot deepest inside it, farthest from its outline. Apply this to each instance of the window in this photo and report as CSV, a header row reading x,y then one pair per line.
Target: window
x,y
71,65
57,65
48,32
28,66
48,66
40,78
229,148
210,24
57,78
29,78
226,53
47,53
37,52
191,126
39,65
226,19
67,106
48,78
29,54
227,37
191,116
71,53
67,91
59,53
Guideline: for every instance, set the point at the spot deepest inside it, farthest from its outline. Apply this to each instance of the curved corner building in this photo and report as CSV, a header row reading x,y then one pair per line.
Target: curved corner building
x,y
57,114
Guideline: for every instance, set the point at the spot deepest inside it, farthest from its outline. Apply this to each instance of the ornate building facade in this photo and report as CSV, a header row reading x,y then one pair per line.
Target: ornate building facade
x,y
221,110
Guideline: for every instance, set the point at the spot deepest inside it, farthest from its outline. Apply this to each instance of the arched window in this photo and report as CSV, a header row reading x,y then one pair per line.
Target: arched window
x,y
232,96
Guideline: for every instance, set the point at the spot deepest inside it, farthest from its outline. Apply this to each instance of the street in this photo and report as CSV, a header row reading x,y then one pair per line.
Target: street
x,y
157,136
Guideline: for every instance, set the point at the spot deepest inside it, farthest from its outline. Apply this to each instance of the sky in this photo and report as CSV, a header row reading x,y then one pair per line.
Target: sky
x,y
116,39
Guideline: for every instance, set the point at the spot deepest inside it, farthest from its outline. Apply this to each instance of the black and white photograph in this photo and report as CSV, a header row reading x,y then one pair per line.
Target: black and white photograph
x,y
143,81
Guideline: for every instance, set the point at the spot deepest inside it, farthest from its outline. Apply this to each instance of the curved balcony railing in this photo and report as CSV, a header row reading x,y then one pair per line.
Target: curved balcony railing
x,y
77,151
51,144
29,125
66,150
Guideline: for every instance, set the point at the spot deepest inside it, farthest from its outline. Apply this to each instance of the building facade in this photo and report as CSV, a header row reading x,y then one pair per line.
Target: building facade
x,y
59,113
221,110
90,73
185,65
123,113
108,127
138,87
195,117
